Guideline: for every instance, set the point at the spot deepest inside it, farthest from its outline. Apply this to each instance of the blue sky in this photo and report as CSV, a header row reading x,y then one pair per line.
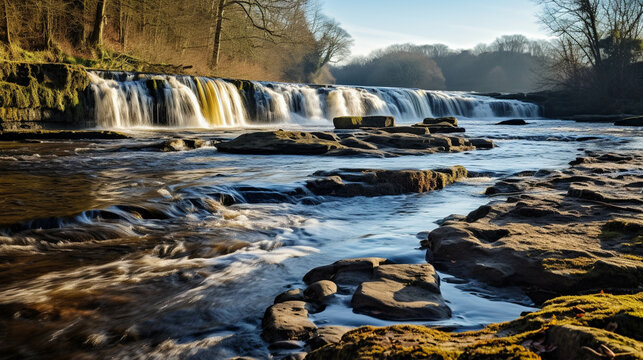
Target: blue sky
x,y
458,23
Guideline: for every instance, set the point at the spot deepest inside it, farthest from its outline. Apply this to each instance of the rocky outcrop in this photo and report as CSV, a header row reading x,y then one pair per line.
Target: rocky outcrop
x,y
512,122
575,327
559,232
36,96
366,142
367,182
357,122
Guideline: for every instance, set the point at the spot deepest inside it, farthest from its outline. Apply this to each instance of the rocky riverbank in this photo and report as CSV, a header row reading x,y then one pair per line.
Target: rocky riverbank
x,y
558,232
574,232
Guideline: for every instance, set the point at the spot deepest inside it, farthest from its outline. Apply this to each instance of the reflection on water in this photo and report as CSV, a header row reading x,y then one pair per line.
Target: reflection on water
x,y
147,254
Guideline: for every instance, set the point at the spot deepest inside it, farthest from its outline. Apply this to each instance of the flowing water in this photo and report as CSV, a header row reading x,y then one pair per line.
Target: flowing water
x,y
108,250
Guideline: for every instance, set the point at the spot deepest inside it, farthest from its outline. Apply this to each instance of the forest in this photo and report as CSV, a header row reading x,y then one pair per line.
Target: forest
x,y
595,52
289,40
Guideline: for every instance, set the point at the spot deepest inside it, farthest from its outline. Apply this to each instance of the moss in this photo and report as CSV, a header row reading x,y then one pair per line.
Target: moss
x,y
577,264
47,86
569,323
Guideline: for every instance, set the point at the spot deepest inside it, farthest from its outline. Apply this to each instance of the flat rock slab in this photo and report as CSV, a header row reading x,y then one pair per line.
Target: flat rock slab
x,y
369,182
287,321
61,135
558,232
402,292
366,142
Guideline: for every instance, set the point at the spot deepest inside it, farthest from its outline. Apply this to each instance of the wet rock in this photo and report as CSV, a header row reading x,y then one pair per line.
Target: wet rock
x,y
366,182
287,321
356,122
630,121
290,295
512,122
327,335
320,291
445,129
552,236
482,143
402,292
356,143
279,142
369,142
407,129
448,119
354,267
554,332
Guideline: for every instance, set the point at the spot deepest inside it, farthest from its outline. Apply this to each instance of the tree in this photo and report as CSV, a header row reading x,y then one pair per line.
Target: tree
x,y
96,38
598,41
261,15
511,43
332,43
6,29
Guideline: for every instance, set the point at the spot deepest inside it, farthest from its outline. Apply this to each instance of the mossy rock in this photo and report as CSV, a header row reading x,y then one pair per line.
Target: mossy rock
x,y
569,327
356,122
49,86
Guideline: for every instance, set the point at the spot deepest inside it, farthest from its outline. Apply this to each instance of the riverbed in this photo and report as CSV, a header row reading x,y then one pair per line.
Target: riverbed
x,y
108,251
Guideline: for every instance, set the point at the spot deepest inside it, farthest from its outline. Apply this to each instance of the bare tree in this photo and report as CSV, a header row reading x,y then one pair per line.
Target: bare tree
x,y
6,28
96,38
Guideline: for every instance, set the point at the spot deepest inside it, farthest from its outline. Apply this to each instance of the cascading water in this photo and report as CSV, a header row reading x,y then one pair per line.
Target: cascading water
x,y
126,100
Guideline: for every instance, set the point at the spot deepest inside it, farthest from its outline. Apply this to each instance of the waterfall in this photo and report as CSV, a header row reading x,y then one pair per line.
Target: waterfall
x,y
124,100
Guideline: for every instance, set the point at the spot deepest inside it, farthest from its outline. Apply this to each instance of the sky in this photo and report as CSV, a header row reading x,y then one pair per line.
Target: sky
x,y
460,24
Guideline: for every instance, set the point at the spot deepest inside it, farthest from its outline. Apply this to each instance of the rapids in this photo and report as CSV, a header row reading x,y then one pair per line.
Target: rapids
x,y
108,252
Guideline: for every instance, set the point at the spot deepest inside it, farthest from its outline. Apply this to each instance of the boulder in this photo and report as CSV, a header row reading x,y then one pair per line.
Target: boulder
x,y
327,335
447,119
482,143
366,182
350,266
290,295
279,142
630,121
512,122
287,321
356,122
402,292
320,291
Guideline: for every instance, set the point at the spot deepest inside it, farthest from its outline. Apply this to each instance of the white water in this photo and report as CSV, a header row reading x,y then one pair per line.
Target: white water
x,y
183,101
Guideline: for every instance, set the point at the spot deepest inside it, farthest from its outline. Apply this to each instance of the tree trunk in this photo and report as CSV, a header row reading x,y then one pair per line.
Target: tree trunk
x,y
217,34
6,35
122,24
77,31
99,24
46,24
